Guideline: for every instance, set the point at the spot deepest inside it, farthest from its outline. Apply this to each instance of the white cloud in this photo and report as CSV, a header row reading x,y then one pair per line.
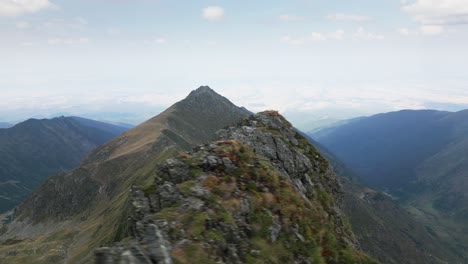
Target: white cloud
x,y
213,13
11,8
342,100
337,35
292,41
432,30
64,25
81,21
114,32
26,44
438,12
348,17
404,31
68,41
314,37
288,18
160,40
23,25
363,34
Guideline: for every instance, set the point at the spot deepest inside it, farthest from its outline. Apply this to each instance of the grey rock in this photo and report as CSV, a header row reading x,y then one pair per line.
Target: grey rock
x,y
212,160
104,256
127,258
139,255
157,245
292,164
174,171
167,195
228,164
194,204
232,255
274,230
199,192
244,207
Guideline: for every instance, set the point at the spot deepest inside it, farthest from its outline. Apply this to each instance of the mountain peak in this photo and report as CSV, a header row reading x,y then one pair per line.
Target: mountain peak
x,y
194,119
203,89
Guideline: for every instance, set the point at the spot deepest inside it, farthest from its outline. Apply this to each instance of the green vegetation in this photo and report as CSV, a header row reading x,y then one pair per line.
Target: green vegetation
x,y
305,230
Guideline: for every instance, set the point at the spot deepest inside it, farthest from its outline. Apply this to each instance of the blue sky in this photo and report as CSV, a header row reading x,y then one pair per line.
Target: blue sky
x,y
310,59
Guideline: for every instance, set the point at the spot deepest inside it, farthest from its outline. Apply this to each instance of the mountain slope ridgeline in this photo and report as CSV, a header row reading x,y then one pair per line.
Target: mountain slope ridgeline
x,y
72,214
35,149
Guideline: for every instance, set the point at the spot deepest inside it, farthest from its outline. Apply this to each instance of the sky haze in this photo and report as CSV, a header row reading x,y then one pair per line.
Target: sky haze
x,y
128,60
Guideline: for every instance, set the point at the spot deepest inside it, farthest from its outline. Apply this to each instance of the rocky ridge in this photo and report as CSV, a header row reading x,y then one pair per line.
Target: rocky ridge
x,y
261,193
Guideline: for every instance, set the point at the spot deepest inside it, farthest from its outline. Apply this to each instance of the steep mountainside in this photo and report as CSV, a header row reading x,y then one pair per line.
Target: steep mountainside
x,y
35,149
384,229
261,194
72,214
419,157
385,149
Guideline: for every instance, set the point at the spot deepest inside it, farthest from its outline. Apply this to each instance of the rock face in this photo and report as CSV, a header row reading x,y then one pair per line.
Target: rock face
x,y
260,194
274,138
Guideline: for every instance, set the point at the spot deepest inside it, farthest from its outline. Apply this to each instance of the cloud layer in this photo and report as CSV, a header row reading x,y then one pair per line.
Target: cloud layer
x,y
338,35
288,18
438,12
12,8
213,13
348,17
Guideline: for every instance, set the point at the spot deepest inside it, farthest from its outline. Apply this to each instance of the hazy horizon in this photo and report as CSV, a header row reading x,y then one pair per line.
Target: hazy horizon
x,y
129,60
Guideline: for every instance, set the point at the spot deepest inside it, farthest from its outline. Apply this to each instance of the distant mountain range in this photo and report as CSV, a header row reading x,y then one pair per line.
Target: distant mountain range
x,y
35,149
207,181
122,124
419,157
261,192
5,125
383,227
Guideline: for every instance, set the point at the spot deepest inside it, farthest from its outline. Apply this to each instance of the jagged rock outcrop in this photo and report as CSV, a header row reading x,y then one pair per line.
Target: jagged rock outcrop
x,y
261,193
